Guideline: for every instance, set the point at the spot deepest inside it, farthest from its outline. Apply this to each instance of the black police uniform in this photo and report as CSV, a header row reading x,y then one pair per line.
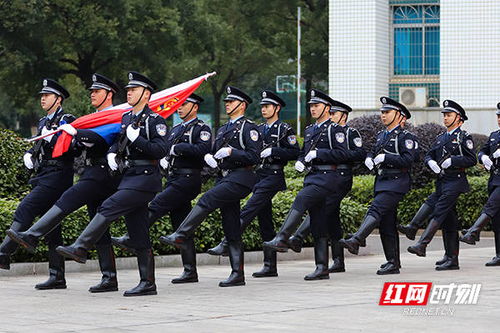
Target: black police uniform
x,y
94,186
280,138
235,181
141,180
321,181
52,177
451,182
356,154
191,141
491,210
392,182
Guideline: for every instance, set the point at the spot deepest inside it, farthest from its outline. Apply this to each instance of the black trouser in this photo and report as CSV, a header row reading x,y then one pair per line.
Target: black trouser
x,y
260,205
312,199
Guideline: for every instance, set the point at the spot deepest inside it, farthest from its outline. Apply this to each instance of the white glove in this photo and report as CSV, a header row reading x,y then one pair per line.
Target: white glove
x,y
112,161
299,166
222,153
132,133
45,131
266,152
164,163
88,144
434,166
172,151
496,154
311,155
487,162
27,161
369,163
68,129
210,160
446,164
379,159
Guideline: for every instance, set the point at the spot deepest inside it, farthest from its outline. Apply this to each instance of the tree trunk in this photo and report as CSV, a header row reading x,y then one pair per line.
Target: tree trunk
x,y
308,114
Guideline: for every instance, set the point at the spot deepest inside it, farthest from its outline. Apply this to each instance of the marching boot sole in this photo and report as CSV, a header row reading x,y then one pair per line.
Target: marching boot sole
x,y
489,264
103,290
349,247
51,287
336,270
167,241
234,284
263,275
410,235
122,246
62,251
452,268
320,277
214,253
180,281
467,240
418,253
146,293
6,267
392,271
20,241
276,247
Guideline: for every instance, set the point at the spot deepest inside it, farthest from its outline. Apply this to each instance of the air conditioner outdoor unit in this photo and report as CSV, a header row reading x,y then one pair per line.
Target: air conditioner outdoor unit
x,y
413,97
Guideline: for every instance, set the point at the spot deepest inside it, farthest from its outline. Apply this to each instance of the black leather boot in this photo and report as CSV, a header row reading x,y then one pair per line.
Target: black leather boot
x,y
8,246
471,236
107,263
321,259
269,269
123,242
280,241
189,262
220,250
446,256
295,242
186,229
362,243
56,272
237,276
429,232
29,238
146,286
338,265
495,261
410,230
452,249
391,249
352,244
78,251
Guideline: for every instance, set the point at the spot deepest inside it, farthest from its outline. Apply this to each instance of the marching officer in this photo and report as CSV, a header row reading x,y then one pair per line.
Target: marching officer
x,y
325,148
279,146
140,144
236,153
489,156
449,156
187,144
356,154
391,157
52,176
94,186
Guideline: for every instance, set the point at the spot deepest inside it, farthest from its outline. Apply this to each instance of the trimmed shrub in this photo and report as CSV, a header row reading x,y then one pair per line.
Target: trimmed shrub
x,y
13,174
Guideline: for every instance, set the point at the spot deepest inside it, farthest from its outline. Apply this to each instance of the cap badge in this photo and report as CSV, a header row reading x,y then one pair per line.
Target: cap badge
x,y
264,94
228,89
313,93
130,76
94,78
44,83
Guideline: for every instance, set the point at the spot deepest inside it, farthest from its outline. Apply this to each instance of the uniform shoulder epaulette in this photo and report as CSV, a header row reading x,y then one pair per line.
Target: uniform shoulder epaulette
x,y
42,118
200,122
309,125
287,126
248,120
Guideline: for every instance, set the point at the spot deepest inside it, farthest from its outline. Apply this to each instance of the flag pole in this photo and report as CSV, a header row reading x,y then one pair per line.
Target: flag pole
x,y
298,71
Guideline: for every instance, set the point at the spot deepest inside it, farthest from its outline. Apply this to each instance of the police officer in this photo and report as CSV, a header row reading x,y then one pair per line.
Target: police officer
x,y
449,156
140,144
489,156
279,146
356,153
187,144
325,147
52,176
391,157
93,187
235,152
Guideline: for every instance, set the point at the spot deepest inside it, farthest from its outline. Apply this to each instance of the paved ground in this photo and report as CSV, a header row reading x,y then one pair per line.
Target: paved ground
x,y
347,302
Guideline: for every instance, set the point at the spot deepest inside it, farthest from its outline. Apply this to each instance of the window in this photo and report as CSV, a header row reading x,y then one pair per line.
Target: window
x,y
416,39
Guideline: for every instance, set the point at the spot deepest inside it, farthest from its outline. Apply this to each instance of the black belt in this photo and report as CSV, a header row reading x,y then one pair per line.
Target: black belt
x,y
324,167
272,166
453,171
185,171
133,163
226,172
382,172
54,163
95,161
344,167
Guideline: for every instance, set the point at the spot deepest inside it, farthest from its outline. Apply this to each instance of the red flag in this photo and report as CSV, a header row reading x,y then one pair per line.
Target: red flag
x,y
164,102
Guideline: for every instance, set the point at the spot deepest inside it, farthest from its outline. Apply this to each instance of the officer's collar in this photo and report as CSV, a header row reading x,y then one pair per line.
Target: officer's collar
x,y
321,123
184,123
454,130
271,124
105,109
53,114
395,129
232,121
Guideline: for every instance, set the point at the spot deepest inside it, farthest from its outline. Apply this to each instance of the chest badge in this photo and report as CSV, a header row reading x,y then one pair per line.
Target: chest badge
x,y
254,135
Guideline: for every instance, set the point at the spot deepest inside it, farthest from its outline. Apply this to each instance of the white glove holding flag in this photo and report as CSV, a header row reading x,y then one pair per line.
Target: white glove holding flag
x,y
210,160
45,131
132,133
446,164
487,162
369,163
311,155
266,152
434,166
496,154
68,129
379,159
299,166
164,163
222,153
112,161
27,161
